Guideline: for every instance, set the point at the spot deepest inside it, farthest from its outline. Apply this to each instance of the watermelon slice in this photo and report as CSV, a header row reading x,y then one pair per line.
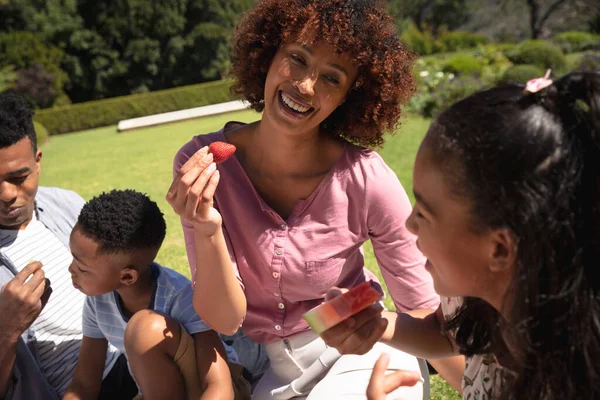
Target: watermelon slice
x,y
333,312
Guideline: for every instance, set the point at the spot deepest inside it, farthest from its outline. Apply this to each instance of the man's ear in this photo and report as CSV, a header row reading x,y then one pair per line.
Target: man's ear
x,y
129,276
38,159
504,251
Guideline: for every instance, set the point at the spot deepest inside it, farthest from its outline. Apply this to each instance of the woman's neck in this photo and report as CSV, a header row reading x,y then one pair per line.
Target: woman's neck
x,y
277,154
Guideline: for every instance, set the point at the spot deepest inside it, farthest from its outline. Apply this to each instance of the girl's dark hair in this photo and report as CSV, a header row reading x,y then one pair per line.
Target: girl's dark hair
x,y
530,163
361,29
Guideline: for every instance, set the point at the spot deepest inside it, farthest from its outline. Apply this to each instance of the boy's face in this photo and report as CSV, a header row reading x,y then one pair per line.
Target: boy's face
x,y
94,272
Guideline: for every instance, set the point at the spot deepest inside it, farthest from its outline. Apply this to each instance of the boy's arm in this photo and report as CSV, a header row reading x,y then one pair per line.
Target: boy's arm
x,y
88,374
213,369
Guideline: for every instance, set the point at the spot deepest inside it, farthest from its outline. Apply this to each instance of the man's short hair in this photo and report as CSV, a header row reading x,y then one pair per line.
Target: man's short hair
x,y
123,221
16,121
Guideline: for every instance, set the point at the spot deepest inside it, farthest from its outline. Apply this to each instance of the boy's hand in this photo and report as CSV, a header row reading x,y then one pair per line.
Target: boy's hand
x,y
192,193
21,302
381,384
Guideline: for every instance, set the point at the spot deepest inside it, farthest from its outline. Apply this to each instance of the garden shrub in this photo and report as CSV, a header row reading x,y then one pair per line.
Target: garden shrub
x,y
538,52
460,40
573,41
429,103
463,64
99,113
422,43
589,62
521,73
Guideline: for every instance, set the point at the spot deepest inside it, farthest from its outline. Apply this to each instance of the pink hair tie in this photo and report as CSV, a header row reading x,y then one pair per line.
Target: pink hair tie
x,y
535,85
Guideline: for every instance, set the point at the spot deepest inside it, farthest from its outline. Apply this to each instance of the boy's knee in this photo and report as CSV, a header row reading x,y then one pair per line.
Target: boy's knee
x,y
148,330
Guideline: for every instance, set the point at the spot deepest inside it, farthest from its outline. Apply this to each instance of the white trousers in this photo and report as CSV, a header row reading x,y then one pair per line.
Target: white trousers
x,y
347,379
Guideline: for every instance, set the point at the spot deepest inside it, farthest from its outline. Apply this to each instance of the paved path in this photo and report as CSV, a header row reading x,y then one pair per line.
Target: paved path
x,y
181,115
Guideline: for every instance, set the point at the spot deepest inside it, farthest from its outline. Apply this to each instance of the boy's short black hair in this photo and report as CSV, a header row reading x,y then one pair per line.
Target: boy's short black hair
x,y
16,121
123,221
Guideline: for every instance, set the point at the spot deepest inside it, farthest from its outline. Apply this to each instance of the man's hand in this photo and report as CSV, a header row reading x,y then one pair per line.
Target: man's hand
x,y
357,334
192,193
21,302
381,384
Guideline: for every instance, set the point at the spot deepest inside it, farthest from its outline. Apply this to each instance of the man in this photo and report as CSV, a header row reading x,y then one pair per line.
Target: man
x,y
40,310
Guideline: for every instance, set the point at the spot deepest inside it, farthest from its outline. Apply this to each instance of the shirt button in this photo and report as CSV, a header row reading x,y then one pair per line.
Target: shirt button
x,y
281,306
276,275
283,227
276,294
278,252
277,327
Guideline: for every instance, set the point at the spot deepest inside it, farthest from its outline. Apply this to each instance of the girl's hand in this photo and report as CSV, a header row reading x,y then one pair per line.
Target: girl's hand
x,y
192,193
357,334
381,384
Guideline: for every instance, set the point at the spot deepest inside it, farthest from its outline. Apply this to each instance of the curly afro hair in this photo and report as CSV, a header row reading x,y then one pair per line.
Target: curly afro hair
x,y
16,121
123,221
360,29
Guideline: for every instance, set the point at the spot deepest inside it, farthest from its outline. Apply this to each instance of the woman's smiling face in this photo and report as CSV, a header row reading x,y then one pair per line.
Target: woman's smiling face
x,y
304,85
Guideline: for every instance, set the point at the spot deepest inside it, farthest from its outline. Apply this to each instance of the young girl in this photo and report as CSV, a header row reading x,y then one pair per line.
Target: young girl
x,y
507,184
299,198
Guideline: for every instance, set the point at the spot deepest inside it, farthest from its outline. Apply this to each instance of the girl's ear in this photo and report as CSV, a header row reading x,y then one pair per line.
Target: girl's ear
x,y
504,255
129,276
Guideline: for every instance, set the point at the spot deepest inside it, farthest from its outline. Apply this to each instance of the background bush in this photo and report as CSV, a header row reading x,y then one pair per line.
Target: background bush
x,y
461,40
99,113
589,62
446,90
422,43
538,52
463,64
521,73
574,41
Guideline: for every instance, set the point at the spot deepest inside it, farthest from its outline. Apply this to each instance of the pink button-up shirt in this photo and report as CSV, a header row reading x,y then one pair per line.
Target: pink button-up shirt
x,y
287,266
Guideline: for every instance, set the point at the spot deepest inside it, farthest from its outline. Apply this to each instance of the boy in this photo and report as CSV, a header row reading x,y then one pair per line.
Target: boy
x,y
142,308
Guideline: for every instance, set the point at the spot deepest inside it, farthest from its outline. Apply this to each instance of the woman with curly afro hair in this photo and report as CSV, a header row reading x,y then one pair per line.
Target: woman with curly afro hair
x,y
304,192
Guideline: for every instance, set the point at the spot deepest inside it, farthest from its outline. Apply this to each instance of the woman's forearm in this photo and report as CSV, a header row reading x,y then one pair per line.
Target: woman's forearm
x,y
218,297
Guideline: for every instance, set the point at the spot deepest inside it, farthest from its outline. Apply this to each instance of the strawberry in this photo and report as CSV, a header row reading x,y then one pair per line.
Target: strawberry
x,y
221,151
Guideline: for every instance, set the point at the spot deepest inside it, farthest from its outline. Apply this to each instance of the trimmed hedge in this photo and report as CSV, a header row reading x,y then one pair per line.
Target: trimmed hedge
x,y
41,133
538,52
95,114
521,73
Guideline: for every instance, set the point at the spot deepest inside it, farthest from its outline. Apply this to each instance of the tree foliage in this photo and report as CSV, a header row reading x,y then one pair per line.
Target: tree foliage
x,y
120,47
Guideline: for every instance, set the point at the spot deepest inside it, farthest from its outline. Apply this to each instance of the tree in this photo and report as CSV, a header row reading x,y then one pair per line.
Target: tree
x,y
24,50
8,77
433,15
35,85
539,13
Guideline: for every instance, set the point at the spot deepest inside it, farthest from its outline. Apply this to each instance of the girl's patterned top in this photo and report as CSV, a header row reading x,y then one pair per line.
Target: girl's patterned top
x,y
484,378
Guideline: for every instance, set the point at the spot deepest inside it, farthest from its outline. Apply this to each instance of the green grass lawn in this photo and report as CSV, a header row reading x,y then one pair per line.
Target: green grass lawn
x,y
99,160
